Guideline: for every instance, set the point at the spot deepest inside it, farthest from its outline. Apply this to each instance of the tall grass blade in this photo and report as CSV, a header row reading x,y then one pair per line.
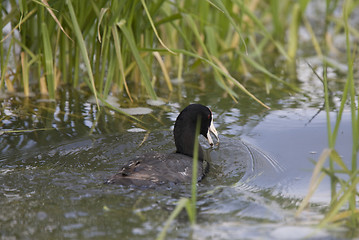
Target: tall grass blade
x,y
180,67
262,28
2,68
344,215
110,74
82,46
192,211
25,74
102,14
345,197
141,65
293,33
316,178
117,44
219,5
353,192
49,61
338,160
227,75
268,73
189,204
28,15
314,39
164,70
153,26
180,205
48,8
5,64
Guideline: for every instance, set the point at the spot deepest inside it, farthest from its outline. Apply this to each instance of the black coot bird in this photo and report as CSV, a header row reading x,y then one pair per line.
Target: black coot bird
x,y
158,168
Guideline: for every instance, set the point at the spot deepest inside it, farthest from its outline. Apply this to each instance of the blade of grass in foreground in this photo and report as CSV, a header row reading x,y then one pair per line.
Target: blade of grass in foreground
x,y
180,205
343,190
346,194
354,116
189,204
315,180
192,204
82,46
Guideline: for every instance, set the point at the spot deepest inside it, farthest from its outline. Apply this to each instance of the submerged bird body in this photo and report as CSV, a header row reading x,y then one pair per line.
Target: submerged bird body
x,y
158,168
155,169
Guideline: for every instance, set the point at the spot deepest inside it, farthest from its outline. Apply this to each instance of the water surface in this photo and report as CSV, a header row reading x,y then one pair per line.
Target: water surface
x,y
52,174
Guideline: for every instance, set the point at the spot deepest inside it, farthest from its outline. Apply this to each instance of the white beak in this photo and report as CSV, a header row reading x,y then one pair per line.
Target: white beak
x,y
213,130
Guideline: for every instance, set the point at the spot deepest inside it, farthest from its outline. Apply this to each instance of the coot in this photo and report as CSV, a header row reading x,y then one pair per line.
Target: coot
x,y
158,168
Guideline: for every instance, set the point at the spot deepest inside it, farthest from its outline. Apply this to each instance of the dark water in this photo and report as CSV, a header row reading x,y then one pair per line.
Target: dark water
x,y
51,179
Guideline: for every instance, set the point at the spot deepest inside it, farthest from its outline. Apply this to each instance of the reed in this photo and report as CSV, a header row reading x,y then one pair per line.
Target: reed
x,y
344,178
190,204
114,47
111,45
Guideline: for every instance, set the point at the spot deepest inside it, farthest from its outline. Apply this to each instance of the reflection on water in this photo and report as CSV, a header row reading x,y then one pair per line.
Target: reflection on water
x,y
52,174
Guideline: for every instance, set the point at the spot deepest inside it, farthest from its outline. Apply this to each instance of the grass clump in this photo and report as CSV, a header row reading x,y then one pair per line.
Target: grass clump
x,y
113,46
344,178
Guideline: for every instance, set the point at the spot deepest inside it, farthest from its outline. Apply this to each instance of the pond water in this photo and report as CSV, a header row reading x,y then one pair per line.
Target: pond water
x,y
52,173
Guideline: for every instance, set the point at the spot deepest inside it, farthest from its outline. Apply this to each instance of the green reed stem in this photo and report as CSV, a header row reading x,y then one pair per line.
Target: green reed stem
x,y
347,192
331,143
25,73
82,47
180,205
141,65
354,116
49,61
75,60
64,57
2,68
192,211
189,204
117,43
293,33
5,63
105,46
110,74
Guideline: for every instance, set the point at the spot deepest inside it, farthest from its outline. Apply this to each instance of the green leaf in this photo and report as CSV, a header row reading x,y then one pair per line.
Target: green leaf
x,y
141,65
180,205
49,61
82,46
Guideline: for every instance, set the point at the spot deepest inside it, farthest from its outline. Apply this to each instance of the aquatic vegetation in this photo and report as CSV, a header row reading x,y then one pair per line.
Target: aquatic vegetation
x,y
344,179
136,49
187,203
113,46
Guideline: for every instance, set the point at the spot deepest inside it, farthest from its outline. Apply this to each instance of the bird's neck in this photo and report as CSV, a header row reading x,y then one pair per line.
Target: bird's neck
x,y
184,140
